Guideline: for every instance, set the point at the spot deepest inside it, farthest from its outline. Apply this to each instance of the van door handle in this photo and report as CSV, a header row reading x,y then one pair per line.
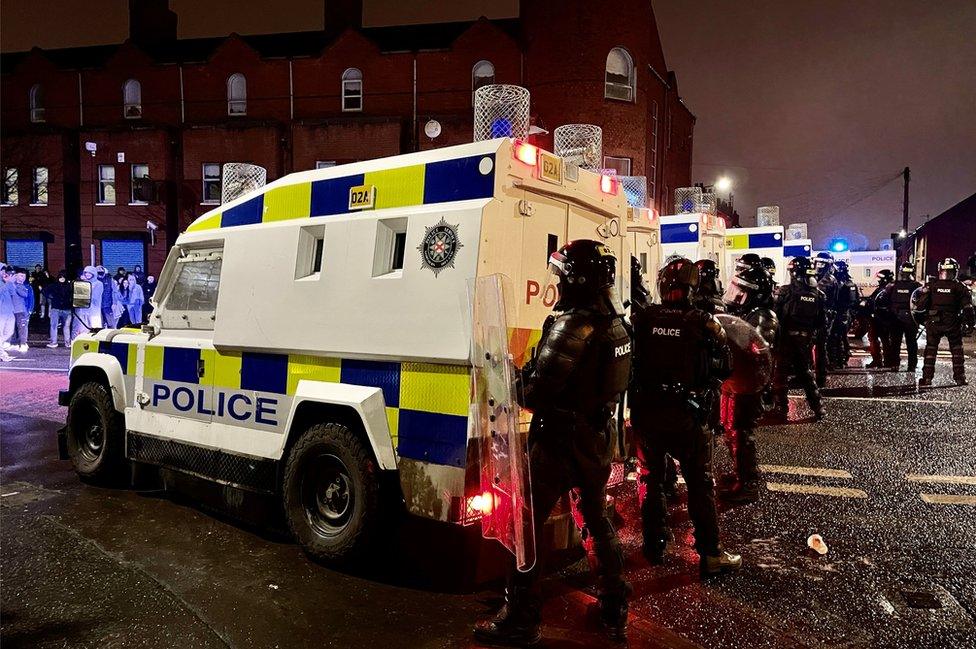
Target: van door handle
x,y
200,368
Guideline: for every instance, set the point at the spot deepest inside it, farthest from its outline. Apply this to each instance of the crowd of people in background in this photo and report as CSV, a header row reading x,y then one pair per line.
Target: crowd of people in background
x,y
118,300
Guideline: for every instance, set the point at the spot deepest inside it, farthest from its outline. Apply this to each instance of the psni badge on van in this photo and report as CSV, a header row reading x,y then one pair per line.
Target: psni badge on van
x,y
439,246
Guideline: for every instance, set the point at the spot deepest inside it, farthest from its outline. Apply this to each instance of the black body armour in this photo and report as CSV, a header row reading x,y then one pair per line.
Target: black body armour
x,y
901,295
766,322
846,296
801,309
674,349
947,300
582,365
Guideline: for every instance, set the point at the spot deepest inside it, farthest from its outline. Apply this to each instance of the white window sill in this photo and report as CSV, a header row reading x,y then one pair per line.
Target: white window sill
x,y
236,114
396,274
137,203
37,205
8,204
210,203
104,204
314,277
352,110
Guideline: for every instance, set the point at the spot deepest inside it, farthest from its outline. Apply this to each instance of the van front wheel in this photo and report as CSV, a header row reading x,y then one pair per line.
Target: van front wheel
x,y
95,435
331,493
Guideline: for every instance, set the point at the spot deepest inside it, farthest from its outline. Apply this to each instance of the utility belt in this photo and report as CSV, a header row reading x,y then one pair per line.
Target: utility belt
x,y
564,417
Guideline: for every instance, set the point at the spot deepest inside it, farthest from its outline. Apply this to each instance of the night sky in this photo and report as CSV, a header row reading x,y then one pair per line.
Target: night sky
x,y
815,106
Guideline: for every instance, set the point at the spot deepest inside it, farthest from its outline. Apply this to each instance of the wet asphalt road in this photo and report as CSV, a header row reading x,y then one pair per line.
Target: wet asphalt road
x,y
89,567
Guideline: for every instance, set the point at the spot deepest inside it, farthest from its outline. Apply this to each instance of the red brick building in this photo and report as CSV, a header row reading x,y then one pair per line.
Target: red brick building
x,y
163,113
950,234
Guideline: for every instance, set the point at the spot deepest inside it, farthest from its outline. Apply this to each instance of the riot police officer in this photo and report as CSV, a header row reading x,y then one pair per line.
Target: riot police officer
x,y
845,299
572,386
708,297
879,340
800,308
750,297
945,305
827,283
896,300
679,354
770,267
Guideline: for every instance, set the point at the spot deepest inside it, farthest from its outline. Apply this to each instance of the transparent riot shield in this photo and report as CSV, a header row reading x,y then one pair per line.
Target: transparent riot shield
x,y
506,497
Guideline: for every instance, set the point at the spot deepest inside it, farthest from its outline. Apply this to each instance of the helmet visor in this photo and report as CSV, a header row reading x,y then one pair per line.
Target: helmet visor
x,y
738,291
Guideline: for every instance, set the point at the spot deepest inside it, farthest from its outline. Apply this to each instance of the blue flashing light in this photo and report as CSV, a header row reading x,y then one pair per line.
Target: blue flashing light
x,y
501,127
838,245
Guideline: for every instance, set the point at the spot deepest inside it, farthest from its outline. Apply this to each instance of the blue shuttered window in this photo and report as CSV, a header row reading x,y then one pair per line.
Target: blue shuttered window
x,y
25,253
123,252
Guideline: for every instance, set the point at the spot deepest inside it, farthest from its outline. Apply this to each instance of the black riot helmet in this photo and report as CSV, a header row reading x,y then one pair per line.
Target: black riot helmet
x,y
678,281
948,268
639,292
708,283
841,270
884,277
750,287
907,271
769,265
585,268
802,271
824,264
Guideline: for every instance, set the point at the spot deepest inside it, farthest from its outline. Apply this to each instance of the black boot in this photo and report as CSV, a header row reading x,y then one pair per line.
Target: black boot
x,y
517,624
655,548
719,563
613,616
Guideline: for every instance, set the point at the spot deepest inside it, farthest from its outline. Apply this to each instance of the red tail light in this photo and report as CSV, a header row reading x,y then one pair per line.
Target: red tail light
x,y
482,503
608,184
526,153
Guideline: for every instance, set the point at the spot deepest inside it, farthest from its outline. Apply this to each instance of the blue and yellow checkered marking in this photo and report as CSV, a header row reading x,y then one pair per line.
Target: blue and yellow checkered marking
x,y
426,403
423,184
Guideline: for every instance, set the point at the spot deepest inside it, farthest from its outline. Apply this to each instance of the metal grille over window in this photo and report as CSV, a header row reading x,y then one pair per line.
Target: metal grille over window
x,y
501,110
236,94
241,178
635,189
796,231
767,215
106,185
192,302
39,186
482,74
619,75
132,99
10,192
708,203
579,144
687,199
211,183
352,90
36,100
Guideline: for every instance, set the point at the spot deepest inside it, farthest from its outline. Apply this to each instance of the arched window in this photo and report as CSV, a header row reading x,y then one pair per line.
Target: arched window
x,y
36,100
352,90
482,74
620,75
236,94
132,99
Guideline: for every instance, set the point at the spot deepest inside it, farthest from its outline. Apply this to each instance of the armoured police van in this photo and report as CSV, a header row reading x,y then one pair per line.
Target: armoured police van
x,y
694,236
311,340
763,240
644,239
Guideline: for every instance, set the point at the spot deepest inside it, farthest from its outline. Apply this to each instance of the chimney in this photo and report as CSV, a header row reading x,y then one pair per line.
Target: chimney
x,y
151,22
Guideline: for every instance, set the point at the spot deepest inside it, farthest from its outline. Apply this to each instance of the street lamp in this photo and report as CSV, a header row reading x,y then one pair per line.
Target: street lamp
x,y
723,184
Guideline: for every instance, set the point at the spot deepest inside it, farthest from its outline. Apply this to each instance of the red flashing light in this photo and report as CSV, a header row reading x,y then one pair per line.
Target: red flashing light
x,y
608,184
482,503
526,153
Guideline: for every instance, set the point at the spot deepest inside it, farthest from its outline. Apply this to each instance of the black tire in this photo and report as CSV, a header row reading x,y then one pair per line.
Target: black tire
x,y
96,435
330,494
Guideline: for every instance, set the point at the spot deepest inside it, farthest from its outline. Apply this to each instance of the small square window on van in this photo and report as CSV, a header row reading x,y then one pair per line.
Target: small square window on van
x,y
311,249
390,248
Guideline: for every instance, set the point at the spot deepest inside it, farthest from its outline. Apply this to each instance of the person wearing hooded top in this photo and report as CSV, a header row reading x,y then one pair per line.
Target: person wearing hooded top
x,y
59,297
89,318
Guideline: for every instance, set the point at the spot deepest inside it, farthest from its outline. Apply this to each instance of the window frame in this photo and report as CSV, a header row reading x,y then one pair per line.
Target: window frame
x,y
630,86
36,187
35,101
325,164
236,103
205,180
352,77
132,183
5,198
103,183
189,319
388,231
127,101
474,76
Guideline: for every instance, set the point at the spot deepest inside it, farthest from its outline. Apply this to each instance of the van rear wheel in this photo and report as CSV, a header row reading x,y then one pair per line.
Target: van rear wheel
x,y
331,493
95,435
